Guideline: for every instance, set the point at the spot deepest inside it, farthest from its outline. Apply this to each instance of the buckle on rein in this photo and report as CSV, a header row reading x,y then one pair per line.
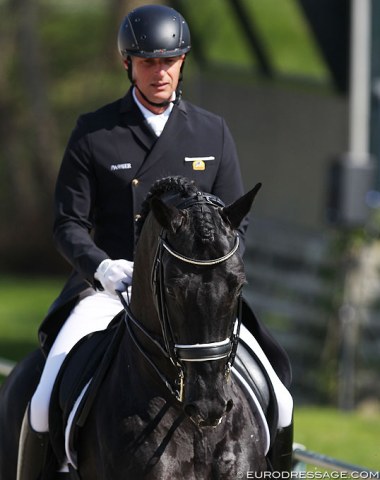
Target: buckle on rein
x,y
181,386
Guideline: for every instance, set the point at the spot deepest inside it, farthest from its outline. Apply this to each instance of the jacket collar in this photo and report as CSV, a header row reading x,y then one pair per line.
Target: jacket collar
x,y
128,106
135,120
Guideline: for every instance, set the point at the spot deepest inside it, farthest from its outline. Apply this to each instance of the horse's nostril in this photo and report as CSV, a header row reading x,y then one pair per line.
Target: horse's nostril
x,y
229,405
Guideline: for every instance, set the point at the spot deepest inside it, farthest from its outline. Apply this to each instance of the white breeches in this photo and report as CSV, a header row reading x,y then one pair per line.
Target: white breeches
x,y
94,313
91,314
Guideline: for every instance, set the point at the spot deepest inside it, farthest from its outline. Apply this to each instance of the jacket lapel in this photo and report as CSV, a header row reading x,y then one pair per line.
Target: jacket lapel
x,y
173,128
133,119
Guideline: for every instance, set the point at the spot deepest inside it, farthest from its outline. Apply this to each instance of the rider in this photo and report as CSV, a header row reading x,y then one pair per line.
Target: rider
x,y
112,158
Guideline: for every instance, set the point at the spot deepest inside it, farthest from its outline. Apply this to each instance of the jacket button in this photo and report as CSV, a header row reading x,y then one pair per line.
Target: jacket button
x,y
137,217
135,182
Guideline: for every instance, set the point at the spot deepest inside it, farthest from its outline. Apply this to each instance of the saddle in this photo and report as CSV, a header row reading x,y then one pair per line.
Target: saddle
x,y
87,364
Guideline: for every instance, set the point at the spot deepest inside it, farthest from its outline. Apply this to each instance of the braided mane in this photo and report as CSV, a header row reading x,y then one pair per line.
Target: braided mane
x,y
204,227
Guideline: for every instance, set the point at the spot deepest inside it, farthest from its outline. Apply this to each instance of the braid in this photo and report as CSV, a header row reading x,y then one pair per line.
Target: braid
x,y
204,223
175,184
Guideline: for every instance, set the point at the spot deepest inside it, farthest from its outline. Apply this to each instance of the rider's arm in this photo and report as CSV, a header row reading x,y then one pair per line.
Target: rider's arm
x,y
75,195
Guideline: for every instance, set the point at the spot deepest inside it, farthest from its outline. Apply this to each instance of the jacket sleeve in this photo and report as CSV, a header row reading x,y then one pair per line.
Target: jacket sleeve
x,y
228,184
74,201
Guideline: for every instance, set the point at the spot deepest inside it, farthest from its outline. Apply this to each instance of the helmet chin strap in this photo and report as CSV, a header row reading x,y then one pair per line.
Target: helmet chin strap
x,y
165,103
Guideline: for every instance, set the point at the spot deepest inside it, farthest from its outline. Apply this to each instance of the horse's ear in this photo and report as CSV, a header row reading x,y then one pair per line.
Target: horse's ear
x,y
167,216
235,212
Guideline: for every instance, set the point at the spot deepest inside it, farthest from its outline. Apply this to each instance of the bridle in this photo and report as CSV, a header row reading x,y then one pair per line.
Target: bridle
x,y
179,354
201,263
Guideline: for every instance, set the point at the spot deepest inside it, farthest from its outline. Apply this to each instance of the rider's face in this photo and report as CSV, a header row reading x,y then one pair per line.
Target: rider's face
x,y
157,78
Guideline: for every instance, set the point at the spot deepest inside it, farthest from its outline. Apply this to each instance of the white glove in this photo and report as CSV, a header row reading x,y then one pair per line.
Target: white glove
x,y
114,275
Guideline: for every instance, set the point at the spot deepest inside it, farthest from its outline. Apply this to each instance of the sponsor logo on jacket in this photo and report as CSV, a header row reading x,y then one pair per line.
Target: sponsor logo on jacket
x,y
121,166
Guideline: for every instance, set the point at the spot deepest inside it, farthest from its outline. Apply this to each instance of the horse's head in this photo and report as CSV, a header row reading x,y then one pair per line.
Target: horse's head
x,y
196,275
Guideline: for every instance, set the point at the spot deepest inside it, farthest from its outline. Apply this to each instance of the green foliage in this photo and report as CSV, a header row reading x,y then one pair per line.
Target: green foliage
x,y
72,38
281,26
289,39
83,73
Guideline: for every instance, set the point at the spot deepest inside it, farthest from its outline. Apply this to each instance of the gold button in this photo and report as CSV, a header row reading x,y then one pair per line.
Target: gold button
x,y
135,182
137,217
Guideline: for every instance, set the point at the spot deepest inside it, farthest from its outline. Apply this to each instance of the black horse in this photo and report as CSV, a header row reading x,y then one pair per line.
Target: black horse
x,y
168,407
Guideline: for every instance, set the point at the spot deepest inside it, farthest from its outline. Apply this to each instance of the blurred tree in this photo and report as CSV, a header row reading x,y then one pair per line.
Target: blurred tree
x,y
28,138
35,82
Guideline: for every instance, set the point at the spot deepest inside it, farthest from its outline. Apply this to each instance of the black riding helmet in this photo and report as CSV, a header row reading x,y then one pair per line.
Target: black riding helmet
x,y
153,31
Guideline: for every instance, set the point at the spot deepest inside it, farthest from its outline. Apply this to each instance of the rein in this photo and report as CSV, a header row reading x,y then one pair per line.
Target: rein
x,y
129,317
180,353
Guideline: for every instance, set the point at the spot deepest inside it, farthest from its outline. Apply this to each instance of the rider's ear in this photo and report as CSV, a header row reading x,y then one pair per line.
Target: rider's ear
x,y
167,216
235,212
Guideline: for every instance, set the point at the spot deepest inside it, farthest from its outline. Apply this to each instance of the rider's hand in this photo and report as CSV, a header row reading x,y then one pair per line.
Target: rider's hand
x,y
114,275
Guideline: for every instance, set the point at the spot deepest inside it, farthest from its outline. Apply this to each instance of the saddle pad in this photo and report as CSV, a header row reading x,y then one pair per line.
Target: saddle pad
x,y
89,359
70,430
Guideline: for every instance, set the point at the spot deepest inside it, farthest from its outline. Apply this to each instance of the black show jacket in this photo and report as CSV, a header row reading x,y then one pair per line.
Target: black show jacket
x,y
111,161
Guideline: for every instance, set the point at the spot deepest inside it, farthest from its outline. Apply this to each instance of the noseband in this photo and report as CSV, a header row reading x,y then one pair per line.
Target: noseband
x,y
180,353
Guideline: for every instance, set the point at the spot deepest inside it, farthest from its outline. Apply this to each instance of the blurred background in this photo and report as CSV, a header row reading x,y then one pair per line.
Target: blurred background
x,y
298,83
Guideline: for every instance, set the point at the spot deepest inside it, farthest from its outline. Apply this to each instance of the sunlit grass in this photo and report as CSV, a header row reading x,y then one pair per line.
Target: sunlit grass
x,y
348,436
23,305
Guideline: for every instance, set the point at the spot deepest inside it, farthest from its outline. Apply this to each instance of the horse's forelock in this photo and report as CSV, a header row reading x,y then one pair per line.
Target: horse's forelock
x,y
205,225
176,184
